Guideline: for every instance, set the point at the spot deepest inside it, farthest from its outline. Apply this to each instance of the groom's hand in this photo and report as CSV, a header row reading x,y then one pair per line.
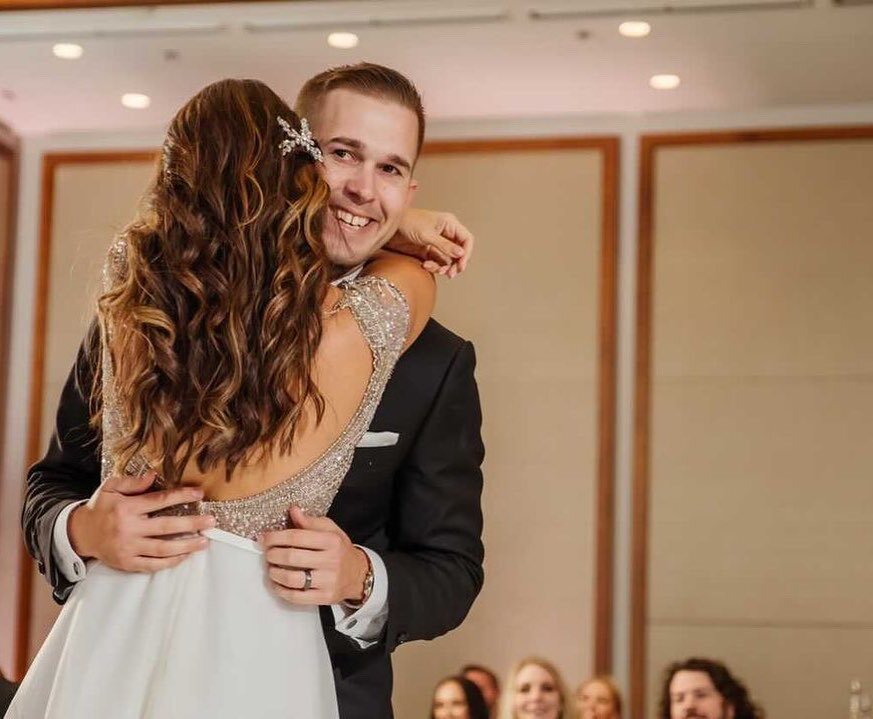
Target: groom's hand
x,y
338,568
115,526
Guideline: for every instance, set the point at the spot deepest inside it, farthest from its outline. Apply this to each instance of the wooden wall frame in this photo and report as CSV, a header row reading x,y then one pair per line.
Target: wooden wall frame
x,y
8,149
12,5
605,494
641,493
50,163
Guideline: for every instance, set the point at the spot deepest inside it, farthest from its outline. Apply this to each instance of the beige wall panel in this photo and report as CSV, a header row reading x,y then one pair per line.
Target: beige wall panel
x,y
91,203
762,259
761,501
762,400
791,671
530,305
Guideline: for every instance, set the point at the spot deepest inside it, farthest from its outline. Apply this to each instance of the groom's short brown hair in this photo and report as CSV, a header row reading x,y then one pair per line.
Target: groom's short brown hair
x,y
365,78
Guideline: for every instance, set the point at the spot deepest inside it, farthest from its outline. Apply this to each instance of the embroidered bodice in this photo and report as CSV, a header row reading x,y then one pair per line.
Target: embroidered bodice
x,y
382,315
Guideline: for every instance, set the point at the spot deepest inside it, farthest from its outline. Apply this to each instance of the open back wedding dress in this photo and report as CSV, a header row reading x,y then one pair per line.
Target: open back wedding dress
x,y
208,638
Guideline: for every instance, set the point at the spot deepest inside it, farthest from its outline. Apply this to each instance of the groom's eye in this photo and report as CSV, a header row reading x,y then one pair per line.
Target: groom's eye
x,y
391,169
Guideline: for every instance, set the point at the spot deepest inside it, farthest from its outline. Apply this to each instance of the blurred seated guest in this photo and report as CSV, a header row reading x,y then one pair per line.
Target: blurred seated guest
x,y
7,691
534,689
705,689
487,682
598,698
458,698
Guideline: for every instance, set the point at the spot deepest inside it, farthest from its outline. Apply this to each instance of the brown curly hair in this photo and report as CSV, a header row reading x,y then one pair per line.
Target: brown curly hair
x,y
214,319
731,688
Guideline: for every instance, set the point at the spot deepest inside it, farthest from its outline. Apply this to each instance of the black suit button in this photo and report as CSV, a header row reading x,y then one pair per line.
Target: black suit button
x,y
402,637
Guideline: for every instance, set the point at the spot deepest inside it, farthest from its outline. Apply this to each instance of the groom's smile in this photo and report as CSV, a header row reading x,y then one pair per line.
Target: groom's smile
x,y
351,220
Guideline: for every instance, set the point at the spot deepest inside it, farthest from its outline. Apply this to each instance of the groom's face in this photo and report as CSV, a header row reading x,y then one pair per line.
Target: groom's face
x,y
370,147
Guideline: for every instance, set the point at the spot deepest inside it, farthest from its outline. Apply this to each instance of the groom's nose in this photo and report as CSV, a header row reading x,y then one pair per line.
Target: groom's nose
x,y
360,185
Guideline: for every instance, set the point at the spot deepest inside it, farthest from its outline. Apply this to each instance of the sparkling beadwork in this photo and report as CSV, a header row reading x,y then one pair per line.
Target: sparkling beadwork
x,y
382,314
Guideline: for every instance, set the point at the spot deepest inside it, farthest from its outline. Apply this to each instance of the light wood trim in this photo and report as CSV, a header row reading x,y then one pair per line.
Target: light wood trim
x,y
13,5
604,579
8,149
606,144
50,163
649,146
605,493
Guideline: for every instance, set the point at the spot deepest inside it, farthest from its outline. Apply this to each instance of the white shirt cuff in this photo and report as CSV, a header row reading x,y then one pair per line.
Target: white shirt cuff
x,y
71,565
366,624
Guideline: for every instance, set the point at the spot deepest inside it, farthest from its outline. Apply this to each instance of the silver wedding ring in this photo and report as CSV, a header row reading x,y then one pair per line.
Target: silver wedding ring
x,y
307,580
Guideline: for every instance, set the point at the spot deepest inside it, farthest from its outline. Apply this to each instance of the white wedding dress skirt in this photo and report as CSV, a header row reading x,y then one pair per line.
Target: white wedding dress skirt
x,y
204,639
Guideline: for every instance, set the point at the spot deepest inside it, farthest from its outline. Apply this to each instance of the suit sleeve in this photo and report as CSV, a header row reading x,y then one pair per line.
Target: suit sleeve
x,y
435,561
69,471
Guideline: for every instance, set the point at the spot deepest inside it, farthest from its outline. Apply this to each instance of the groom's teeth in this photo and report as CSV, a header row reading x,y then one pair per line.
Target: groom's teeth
x,y
351,219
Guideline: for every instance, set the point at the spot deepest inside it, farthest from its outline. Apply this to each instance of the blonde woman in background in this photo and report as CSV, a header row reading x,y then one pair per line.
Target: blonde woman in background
x,y
534,688
598,698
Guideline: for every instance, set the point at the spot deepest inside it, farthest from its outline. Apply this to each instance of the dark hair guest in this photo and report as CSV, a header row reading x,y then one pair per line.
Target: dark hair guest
x,y
705,688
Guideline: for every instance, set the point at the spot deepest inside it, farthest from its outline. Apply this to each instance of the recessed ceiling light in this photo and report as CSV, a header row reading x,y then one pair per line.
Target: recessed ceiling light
x,y
664,82
342,40
633,28
68,50
135,100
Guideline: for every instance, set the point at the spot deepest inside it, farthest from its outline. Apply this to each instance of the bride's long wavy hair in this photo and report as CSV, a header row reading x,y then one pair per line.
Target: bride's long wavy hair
x,y
216,316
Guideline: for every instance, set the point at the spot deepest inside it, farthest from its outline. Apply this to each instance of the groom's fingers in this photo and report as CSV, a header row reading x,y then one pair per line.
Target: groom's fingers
x,y
298,596
188,524
302,520
130,484
156,501
296,579
293,557
299,538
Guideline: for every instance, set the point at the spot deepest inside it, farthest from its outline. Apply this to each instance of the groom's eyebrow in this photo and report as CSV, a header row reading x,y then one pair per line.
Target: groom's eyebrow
x,y
355,144
358,145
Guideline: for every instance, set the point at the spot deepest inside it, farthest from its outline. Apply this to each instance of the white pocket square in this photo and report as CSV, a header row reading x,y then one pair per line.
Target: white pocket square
x,y
379,439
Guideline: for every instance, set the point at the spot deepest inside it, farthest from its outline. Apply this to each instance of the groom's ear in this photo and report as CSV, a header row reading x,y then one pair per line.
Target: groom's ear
x,y
410,192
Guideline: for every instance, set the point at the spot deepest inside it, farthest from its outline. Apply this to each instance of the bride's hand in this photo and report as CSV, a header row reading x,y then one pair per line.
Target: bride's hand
x,y
438,239
337,567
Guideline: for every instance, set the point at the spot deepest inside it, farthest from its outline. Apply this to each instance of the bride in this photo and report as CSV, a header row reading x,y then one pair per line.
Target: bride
x,y
232,365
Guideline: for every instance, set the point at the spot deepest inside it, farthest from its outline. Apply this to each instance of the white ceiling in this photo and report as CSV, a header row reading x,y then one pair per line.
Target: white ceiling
x,y
503,64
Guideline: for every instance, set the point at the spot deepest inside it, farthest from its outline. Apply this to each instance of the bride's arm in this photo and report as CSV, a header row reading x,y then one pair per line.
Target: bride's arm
x,y
439,239
416,285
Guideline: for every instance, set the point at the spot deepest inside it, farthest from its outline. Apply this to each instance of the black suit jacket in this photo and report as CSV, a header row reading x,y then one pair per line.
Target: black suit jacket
x,y
416,503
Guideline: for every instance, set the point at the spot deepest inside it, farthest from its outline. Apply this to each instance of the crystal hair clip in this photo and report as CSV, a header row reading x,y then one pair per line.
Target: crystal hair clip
x,y
302,138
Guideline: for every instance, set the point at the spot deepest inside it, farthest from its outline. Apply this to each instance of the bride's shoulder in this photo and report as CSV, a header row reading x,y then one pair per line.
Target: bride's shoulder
x,y
379,308
401,288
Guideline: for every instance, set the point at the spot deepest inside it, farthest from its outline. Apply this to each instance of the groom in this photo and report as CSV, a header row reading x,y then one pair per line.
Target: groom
x,y
399,556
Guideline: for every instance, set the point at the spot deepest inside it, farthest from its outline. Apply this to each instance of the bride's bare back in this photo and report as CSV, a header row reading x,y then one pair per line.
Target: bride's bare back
x,y
342,371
